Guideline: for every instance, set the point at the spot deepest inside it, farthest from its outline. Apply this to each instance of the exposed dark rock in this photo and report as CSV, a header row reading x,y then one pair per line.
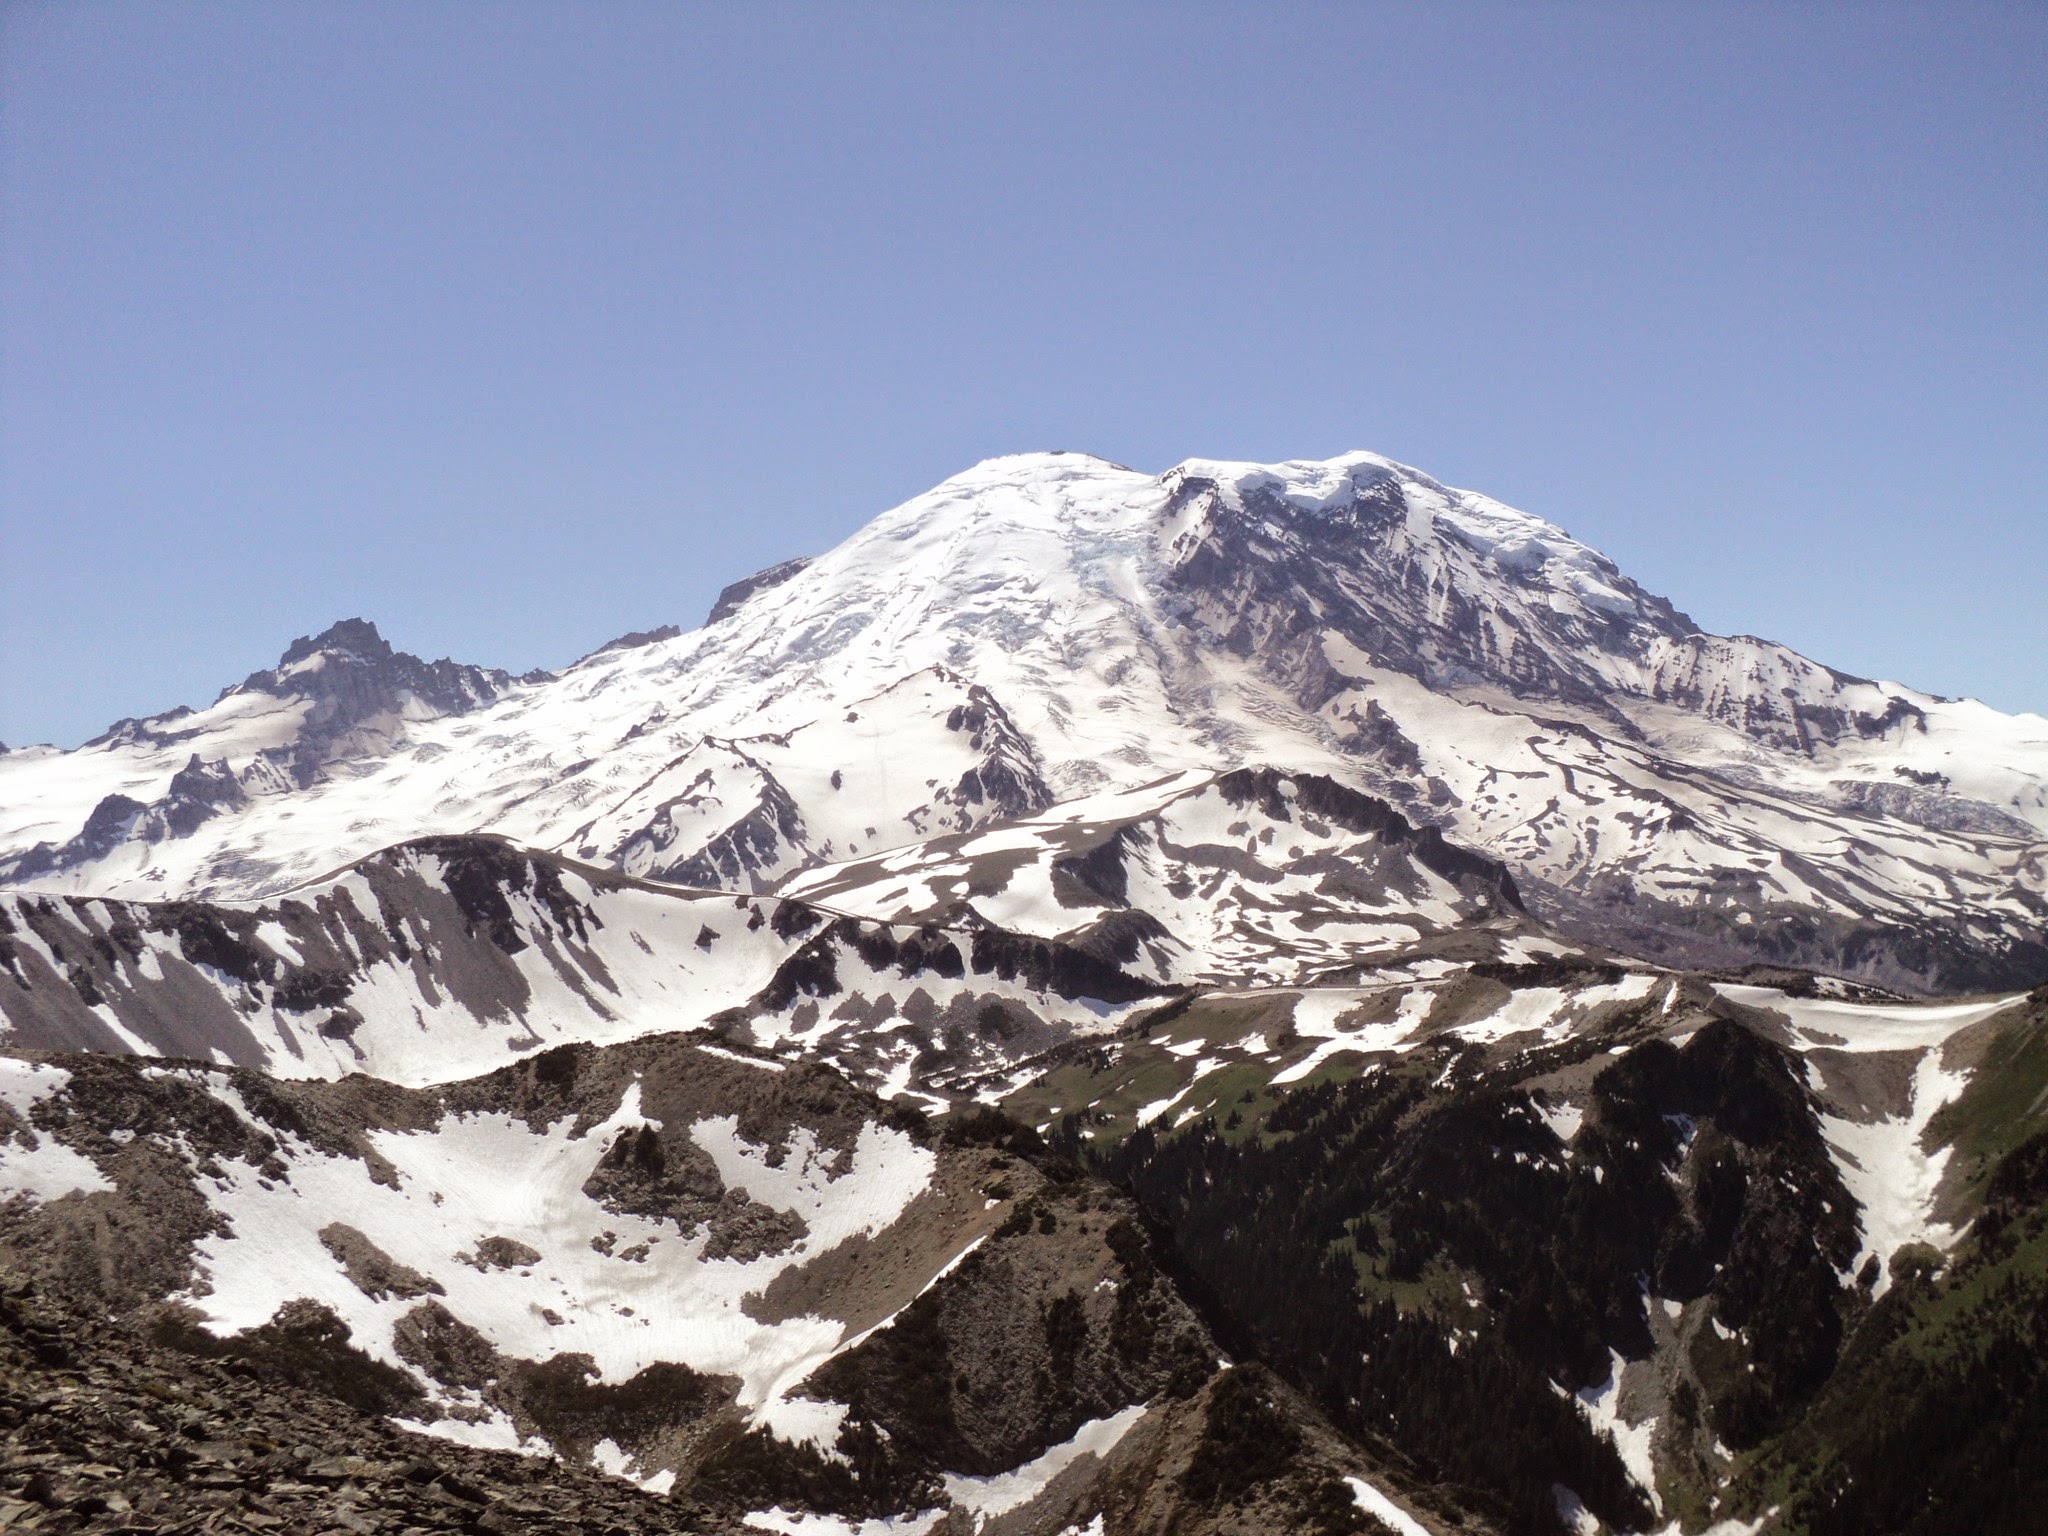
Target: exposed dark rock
x,y
107,825
199,791
733,859
730,598
1048,966
375,1273
352,674
504,1253
634,639
444,1347
1318,795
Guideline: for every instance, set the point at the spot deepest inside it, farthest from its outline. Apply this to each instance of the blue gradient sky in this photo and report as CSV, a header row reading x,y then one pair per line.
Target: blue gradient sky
x,y
512,327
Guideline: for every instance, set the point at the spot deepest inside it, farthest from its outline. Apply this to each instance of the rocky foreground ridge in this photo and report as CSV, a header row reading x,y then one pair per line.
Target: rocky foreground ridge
x,y
1546,1242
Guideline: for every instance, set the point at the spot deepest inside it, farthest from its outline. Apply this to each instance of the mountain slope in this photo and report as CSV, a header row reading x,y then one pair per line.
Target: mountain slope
x,y
1262,998
449,956
1523,1247
333,702
734,1281
1244,877
1046,627
1486,1214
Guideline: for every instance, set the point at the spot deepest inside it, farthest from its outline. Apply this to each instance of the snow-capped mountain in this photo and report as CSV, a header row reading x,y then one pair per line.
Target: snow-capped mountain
x,y
1261,998
333,701
1048,627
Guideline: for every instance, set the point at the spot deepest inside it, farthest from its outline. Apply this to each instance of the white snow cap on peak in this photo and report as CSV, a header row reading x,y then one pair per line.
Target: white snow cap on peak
x,y
1043,464
1312,484
1086,486
1512,538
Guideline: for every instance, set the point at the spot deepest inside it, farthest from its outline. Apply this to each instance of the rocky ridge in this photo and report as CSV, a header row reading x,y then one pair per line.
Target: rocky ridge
x,y
937,1324
332,699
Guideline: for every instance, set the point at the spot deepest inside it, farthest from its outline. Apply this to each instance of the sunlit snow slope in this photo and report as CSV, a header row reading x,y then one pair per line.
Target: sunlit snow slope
x,y
446,957
1048,627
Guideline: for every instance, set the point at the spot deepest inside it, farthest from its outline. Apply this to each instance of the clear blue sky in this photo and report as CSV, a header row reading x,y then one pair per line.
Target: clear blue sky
x,y
512,327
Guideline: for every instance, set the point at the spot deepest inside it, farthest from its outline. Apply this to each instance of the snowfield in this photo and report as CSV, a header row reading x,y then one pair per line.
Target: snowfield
x,y
627,1291
32,1165
1884,1161
1044,629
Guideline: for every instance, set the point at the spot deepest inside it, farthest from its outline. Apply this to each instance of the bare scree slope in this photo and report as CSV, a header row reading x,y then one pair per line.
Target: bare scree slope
x,y
1279,997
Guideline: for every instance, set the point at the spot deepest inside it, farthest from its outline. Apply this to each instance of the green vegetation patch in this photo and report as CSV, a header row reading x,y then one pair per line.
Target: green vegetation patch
x,y
1936,1424
2005,1103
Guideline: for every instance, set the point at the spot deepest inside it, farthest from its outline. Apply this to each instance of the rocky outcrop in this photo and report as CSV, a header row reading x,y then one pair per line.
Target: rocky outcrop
x,y
352,680
731,596
113,1428
1009,1339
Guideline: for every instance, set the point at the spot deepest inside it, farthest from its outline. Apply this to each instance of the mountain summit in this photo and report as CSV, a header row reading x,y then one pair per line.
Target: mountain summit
x,y
340,697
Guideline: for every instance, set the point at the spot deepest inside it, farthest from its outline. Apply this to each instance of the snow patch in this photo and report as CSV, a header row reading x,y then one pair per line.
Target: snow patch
x,y
608,1456
987,1497
643,1296
745,1061
1380,1507
1892,1176
1564,1120
1601,1406
802,1523
48,1171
